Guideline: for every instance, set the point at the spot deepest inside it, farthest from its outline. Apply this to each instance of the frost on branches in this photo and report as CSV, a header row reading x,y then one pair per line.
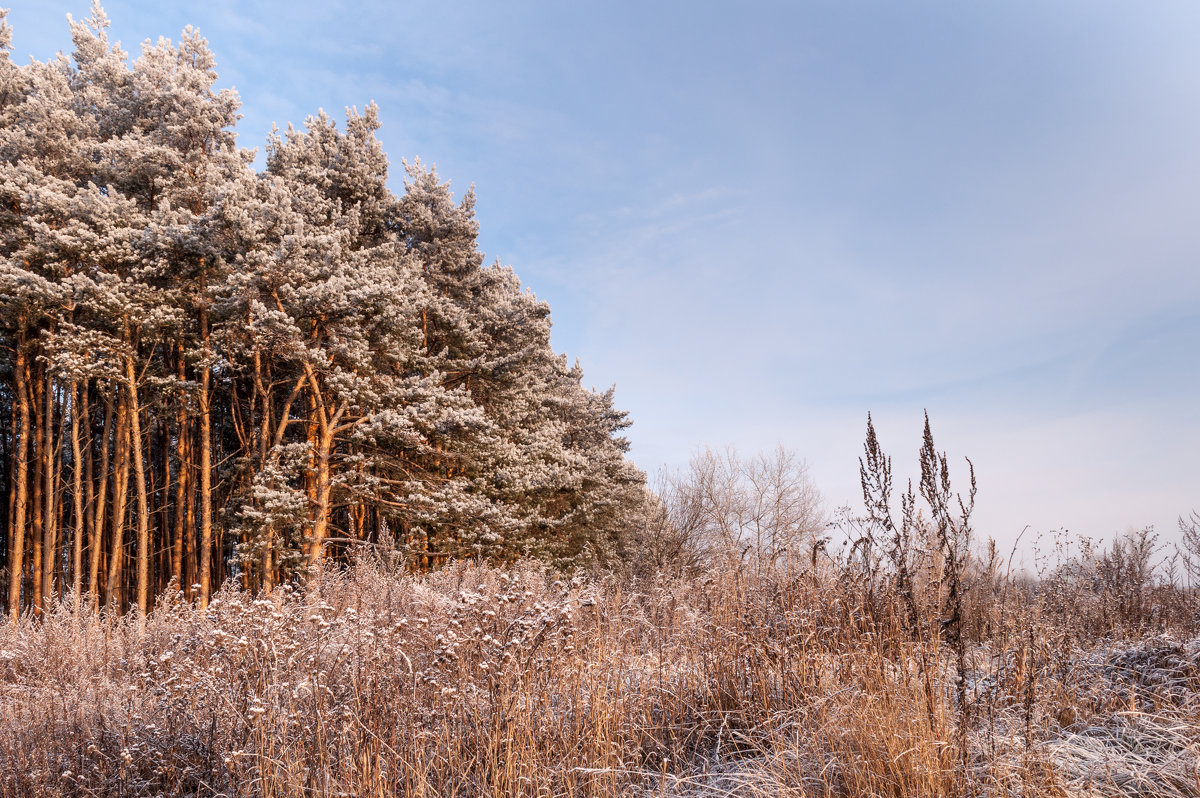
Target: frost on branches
x,y
208,372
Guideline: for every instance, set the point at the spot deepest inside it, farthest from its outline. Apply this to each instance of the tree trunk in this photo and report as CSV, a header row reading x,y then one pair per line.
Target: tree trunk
x,y
191,553
9,444
181,504
57,541
39,484
139,477
21,476
160,494
49,530
181,473
206,499
99,511
89,487
264,448
324,491
77,487
116,556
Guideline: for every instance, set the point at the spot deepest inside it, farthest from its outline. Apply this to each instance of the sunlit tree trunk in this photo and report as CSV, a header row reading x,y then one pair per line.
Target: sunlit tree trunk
x,y
57,548
206,498
116,549
324,491
39,484
89,487
139,478
191,553
77,489
16,555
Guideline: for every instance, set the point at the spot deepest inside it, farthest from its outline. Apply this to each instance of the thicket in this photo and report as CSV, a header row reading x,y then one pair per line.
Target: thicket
x,y
211,373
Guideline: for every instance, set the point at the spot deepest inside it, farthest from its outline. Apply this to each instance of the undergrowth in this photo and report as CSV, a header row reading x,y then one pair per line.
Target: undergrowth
x,y
813,680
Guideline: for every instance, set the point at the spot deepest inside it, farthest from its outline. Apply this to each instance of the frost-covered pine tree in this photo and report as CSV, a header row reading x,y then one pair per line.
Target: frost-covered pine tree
x,y
547,467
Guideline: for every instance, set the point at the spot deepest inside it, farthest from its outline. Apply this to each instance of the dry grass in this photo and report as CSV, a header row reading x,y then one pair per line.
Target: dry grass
x,y
480,681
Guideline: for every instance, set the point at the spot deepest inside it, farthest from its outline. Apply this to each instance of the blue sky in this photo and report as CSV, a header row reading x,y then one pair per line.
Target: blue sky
x,y
762,220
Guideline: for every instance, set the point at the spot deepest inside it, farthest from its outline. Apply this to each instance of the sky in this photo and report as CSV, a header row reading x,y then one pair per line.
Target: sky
x,y
763,220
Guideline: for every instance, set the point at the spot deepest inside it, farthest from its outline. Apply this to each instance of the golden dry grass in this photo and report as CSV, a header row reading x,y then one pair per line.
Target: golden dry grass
x,y
485,681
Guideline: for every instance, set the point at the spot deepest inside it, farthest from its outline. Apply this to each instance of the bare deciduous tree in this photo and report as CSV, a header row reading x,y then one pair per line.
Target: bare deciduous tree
x,y
739,512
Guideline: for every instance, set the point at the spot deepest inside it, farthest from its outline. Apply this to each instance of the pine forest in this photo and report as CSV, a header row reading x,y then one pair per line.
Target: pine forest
x,y
212,373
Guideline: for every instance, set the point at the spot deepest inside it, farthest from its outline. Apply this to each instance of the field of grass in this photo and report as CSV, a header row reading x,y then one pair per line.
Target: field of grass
x,y
818,678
